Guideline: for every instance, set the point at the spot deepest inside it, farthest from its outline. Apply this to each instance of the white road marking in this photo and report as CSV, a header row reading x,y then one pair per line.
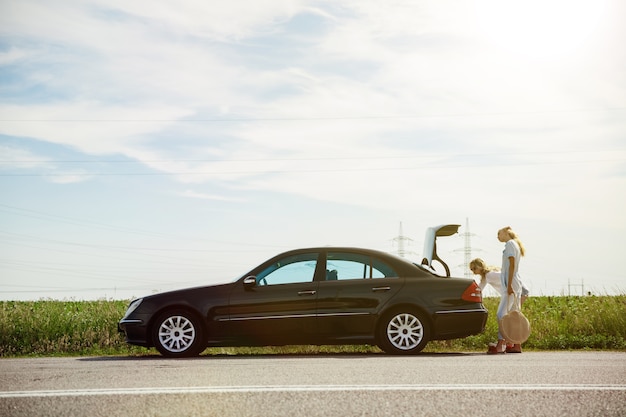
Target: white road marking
x,y
303,388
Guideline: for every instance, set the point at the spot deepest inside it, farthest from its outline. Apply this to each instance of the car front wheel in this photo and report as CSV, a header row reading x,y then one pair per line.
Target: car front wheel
x,y
178,333
403,332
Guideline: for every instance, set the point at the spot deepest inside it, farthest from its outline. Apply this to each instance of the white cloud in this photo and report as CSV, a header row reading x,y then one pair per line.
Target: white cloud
x,y
205,196
398,107
26,159
16,161
91,127
12,56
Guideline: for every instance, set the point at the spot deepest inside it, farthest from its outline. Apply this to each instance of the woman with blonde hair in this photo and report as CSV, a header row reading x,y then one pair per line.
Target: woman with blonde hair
x,y
490,275
510,281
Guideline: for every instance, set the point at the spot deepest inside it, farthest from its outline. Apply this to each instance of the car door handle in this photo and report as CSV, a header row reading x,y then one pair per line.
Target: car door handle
x,y
312,292
380,289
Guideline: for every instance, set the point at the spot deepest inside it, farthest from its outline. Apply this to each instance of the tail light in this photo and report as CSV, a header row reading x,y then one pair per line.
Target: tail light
x,y
473,294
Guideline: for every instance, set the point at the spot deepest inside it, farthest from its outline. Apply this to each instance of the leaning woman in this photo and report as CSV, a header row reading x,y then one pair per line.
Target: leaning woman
x,y
510,281
489,275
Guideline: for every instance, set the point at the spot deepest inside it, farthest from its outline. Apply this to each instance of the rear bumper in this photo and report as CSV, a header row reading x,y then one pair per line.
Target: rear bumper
x,y
453,324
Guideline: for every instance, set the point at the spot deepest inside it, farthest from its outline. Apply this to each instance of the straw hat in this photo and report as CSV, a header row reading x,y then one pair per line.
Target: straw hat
x,y
515,327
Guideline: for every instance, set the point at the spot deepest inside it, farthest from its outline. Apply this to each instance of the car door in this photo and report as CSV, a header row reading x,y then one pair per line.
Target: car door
x,y
355,289
276,305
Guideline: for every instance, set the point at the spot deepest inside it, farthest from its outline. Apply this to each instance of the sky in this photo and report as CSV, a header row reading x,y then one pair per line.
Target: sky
x,y
153,145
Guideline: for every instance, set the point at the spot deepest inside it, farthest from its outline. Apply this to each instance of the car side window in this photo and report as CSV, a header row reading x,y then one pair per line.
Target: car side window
x,y
343,266
289,270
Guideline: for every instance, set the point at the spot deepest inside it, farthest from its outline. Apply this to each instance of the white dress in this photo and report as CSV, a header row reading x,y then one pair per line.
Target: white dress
x,y
491,278
511,249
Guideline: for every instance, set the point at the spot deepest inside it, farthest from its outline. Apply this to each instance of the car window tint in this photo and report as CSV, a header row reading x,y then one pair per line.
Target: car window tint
x,y
341,266
289,270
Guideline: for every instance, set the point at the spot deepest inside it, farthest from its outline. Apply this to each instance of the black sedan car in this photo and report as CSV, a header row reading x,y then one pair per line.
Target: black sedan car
x,y
319,296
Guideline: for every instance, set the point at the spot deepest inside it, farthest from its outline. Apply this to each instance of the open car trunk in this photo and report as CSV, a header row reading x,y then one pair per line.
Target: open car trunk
x,y
430,244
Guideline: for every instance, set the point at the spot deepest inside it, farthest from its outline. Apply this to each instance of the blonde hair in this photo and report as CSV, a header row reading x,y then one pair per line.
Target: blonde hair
x,y
478,262
514,236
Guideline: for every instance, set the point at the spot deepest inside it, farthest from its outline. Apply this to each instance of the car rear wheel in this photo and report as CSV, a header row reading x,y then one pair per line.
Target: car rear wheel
x,y
178,333
403,332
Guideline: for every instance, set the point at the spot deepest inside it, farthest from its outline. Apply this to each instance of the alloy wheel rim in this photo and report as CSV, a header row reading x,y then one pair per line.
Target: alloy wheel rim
x,y
177,333
405,331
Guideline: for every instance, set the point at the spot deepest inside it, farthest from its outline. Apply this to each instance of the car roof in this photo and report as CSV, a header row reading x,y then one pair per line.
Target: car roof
x,y
349,249
382,255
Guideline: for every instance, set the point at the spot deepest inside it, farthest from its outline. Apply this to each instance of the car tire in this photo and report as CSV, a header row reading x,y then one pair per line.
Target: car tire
x,y
403,332
178,333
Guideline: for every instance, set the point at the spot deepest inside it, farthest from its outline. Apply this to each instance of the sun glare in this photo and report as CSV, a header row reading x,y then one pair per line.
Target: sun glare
x,y
540,29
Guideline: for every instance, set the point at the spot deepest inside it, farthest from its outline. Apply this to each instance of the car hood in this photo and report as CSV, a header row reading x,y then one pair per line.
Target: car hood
x,y
430,244
183,292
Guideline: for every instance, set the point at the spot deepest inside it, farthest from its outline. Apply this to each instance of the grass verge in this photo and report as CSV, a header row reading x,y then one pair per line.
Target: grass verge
x,y
54,328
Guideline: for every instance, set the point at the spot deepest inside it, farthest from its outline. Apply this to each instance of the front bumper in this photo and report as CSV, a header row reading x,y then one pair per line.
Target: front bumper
x,y
135,332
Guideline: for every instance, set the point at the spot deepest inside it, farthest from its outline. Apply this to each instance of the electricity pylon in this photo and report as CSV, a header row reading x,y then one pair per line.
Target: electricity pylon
x,y
401,240
467,249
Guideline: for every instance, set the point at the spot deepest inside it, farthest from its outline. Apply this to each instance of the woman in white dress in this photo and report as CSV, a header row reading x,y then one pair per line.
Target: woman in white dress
x,y
509,277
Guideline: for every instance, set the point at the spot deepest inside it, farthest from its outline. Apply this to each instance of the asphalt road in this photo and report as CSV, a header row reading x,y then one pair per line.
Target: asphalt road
x,y
531,384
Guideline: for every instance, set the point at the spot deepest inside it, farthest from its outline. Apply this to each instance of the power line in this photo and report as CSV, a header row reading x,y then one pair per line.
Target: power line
x,y
308,171
559,153
112,247
90,223
318,118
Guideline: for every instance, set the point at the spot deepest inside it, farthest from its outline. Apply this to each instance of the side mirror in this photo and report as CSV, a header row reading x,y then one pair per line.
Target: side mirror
x,y
249,282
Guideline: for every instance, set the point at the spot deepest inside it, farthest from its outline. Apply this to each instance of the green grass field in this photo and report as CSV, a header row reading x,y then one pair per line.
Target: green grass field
x,y
48,328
